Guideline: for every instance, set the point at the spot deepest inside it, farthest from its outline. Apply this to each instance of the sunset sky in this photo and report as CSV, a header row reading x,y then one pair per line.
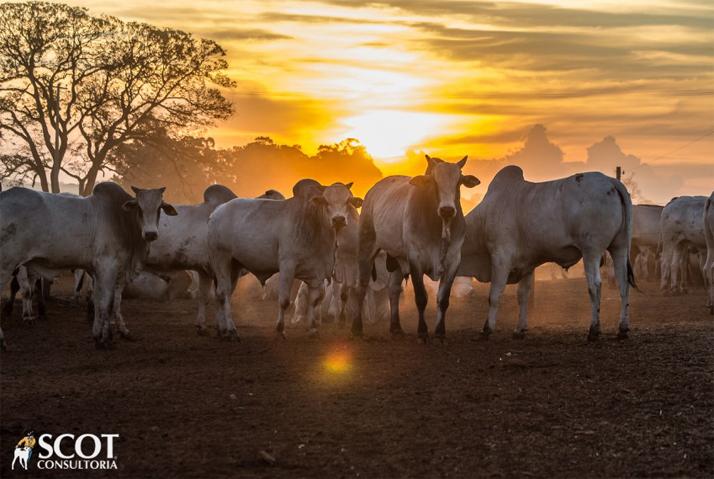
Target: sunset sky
x,y
454,78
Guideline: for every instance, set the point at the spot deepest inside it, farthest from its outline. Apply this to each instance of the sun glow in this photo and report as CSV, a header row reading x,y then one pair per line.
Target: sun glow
x,y
390,133
338,362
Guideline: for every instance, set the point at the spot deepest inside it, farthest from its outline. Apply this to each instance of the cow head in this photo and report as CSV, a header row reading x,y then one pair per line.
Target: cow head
x,y
337,199
447,179
148,205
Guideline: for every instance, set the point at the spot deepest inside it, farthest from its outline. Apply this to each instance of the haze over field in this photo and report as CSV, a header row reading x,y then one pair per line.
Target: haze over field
x,y
555,87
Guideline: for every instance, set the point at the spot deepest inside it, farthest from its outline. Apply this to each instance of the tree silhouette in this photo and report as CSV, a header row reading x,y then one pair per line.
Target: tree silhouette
x,y
187,165
73,83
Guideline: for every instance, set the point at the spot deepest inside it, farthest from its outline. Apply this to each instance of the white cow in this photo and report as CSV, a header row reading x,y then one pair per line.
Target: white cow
x,y
107,234
643,259
682,233
182,244
520,225
419,223
646,237
295,237
709,238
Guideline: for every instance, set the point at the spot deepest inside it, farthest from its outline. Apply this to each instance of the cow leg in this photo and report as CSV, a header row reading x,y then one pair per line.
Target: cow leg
x,y
395,291
27,283
525,286
665,268
222,269
105,284
344,297
620,258
315,294
14,288
204,291
592,274
676,271
420,298
285,286
41,304
499,278
442,300
116,310
301,304
708,272
5,277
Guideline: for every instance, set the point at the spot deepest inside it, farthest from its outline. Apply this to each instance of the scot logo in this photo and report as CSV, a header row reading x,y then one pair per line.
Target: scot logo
x,y
66,451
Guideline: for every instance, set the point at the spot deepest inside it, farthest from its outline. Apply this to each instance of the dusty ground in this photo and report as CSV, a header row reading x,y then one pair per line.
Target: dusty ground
x,y
552,405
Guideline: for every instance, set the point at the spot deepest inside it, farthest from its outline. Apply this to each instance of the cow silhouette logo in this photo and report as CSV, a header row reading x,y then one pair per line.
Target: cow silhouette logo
x,y
23,450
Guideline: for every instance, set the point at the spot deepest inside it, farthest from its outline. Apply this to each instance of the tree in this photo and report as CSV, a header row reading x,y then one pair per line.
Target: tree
x,y
83,85
185,166
188,165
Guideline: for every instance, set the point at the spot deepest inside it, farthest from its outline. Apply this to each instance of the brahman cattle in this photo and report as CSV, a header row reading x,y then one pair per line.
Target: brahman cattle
x,y
682,233
107,234
183,244
419,223
295,237
520,225
645,239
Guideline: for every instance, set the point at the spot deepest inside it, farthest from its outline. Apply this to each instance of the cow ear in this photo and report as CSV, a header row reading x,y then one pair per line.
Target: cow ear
x,y
168,209
462,162
420,180
356,201
469,181
162,189
319,200
136,190
129,205
349,185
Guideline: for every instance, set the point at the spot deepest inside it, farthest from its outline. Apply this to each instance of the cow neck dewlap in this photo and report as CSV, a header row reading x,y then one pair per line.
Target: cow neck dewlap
x,y
445,241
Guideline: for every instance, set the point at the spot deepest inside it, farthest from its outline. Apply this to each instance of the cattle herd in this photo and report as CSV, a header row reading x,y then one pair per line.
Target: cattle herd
x,y
408,227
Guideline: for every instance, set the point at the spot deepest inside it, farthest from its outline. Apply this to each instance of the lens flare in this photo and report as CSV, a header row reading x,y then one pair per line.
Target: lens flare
x,y
338,362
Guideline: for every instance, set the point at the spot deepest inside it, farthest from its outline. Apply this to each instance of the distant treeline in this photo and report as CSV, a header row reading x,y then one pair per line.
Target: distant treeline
x,y
186,166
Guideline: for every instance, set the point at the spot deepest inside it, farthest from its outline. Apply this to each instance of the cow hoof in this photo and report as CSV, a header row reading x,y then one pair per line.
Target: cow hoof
x,y
3,345
127,336
519,334
356,332
231,335
313,333
424,338
441,338
486,333
103,345
201,331
280,336
396,333
623,334
711,309
593,335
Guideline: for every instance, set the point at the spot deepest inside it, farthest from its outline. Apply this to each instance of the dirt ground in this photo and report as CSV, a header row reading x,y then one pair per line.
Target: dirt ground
x,y
552,405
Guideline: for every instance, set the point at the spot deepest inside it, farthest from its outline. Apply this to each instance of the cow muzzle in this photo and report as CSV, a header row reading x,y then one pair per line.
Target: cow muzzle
x,y
150,235
339,222
447,212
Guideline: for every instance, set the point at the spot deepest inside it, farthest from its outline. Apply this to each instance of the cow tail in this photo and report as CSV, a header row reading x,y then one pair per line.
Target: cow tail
x,y
627,214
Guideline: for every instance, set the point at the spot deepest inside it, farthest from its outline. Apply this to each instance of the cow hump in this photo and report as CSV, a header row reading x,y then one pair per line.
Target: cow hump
x,y
218,194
